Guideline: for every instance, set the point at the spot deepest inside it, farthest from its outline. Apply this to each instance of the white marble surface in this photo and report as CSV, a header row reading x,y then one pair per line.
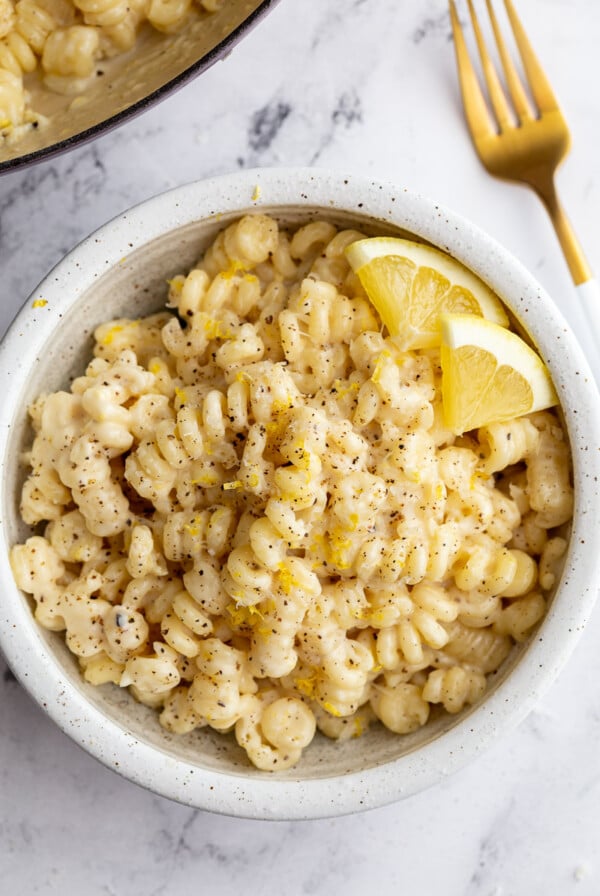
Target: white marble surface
x,y
366,86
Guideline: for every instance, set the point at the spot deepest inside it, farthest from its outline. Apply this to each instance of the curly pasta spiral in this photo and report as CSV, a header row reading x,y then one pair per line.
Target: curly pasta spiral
x,y
255,519
69,38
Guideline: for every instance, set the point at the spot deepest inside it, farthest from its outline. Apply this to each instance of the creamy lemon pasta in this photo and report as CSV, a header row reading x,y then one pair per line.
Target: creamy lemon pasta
x,y
251,514
65,40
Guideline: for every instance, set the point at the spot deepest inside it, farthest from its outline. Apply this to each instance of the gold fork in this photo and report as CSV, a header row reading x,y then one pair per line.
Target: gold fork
x,y
525,144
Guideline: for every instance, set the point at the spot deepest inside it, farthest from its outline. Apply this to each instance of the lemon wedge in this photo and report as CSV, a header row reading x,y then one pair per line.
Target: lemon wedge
x,y
489,374
411,284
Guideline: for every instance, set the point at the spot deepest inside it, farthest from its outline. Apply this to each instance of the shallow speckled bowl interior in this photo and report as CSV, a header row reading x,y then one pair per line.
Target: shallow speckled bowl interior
x,y
121,271
133,81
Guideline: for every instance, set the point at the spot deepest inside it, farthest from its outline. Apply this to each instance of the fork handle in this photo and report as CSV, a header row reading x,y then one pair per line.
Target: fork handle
x,y
574,256
585,319
584,313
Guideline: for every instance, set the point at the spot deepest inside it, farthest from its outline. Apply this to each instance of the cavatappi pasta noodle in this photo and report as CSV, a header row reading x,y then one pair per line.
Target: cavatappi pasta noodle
x,y
251,514
65,40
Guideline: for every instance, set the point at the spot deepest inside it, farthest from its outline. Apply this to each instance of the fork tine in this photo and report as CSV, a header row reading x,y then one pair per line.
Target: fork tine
x,y
496,92
477,113
515,88
540,87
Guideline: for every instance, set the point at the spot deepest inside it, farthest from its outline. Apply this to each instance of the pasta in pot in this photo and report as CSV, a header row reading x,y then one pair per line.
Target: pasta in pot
x,y
66,39
254,518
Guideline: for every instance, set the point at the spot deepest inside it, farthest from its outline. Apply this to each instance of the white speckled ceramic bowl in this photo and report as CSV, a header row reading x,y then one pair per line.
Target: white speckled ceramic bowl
x,y
121,270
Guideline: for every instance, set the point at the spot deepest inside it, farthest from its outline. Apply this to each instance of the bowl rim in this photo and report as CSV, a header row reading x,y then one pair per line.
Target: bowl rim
x,y
218,52
263,796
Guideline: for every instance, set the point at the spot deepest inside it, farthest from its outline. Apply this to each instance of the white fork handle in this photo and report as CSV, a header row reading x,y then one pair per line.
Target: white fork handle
x,y
584,316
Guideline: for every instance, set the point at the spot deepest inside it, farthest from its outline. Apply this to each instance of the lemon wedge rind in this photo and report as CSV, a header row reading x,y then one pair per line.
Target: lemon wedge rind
x,y
489,374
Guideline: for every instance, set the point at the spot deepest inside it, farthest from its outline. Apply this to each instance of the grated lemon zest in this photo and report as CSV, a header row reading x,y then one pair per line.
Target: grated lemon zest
x,y
303,459
276,427
379,365
256,194
110,335
306,686
281,405
207,479
359,613
229,486
286,578
245,615
343,388
254,611
215,329
176,283
181,394
377,618
478,474
235,267
39,303
339,561
238,616
340,546
332,710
